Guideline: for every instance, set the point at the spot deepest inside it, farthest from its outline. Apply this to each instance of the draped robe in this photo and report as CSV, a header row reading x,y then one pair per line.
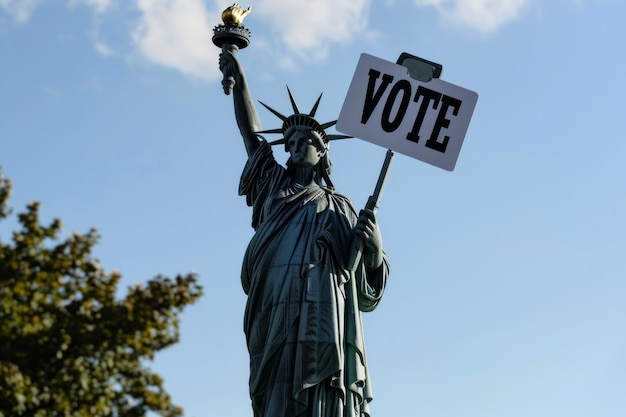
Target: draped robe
x,y
302,319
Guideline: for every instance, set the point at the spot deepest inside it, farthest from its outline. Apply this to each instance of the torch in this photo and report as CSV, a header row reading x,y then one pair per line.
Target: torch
x,y
231,36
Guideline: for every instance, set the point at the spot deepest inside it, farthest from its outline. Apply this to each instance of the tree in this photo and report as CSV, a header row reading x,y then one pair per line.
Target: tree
x,y
67,346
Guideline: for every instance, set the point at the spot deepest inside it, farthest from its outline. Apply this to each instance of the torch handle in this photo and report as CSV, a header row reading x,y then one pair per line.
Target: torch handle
x,y
228,81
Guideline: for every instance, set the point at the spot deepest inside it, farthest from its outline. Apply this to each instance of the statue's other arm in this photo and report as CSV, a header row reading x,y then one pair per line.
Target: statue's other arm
x,y
245,110
367,229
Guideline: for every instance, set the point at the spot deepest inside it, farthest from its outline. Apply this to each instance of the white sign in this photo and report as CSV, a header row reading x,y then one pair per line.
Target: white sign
x,y
424,120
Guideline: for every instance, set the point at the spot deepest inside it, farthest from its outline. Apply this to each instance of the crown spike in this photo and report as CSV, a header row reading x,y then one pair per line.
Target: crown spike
x,y
277,114
277,142
328,124
293,102
280,130
335,137
317,103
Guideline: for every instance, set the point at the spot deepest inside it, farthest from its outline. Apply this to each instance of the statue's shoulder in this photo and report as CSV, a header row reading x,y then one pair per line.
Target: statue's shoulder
x,y
341,201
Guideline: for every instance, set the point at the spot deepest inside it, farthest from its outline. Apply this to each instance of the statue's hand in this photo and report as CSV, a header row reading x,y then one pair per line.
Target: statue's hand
x,y
229,64
230,67
226,62
367,229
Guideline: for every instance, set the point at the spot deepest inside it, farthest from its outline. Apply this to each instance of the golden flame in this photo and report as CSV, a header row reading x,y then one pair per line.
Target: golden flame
x,y
234,14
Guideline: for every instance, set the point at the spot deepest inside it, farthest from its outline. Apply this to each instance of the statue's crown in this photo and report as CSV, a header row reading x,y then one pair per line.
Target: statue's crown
x,y
301,119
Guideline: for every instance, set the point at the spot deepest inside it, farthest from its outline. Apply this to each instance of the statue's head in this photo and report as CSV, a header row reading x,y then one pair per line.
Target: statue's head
x,y
306,147
304,126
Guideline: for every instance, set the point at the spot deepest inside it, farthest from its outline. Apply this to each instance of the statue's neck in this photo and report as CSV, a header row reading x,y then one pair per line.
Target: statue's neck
x,y
304,176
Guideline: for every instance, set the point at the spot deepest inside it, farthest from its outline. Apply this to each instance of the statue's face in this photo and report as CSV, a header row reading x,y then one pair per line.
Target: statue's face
x,y
303,149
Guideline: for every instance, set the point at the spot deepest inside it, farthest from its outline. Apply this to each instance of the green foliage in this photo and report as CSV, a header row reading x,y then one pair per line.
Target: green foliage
x,y
67,346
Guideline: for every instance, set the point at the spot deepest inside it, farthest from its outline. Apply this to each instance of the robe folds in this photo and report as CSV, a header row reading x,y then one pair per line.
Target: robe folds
x,y
302,319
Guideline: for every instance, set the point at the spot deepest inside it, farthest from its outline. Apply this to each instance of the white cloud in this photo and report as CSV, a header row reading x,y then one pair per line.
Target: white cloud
x,y
100,7
308,28
103,49
177,34
20,10
483,15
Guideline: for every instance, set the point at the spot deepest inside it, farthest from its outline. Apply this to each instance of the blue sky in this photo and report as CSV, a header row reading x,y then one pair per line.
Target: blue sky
x,y
508,274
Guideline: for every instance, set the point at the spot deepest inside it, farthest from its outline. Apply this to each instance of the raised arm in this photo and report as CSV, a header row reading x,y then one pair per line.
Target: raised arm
x,y
245,110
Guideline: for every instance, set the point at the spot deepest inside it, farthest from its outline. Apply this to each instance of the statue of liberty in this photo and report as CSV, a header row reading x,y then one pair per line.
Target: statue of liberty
x,y
303,314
